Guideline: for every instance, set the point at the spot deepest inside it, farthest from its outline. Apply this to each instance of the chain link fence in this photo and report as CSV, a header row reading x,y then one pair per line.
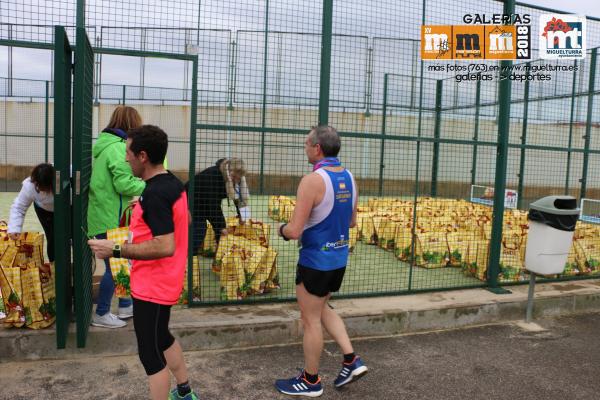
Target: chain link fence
x,y
422,144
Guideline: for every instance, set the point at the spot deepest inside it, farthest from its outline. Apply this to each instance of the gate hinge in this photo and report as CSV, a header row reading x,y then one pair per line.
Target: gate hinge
x,y
57,182
77,182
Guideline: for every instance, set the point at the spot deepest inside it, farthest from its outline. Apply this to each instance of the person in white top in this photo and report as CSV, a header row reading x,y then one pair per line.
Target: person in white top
x,y
36,189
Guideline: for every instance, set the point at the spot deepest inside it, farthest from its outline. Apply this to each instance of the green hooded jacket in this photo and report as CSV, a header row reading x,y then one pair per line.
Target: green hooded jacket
x,y
112,185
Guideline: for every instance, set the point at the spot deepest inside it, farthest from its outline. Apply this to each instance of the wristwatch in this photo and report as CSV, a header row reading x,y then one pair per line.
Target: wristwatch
x,y
116,250
281,232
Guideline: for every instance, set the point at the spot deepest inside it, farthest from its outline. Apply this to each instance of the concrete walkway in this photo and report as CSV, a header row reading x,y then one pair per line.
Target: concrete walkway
x,y
499,361
227,327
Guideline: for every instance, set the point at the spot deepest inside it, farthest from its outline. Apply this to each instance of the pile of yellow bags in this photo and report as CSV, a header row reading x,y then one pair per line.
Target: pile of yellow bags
x,y
26,282
584,257
253,230
456,233
245,262
442,234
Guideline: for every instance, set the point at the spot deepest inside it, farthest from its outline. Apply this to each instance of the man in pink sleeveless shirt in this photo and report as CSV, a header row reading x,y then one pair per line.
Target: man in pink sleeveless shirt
x,y
158,250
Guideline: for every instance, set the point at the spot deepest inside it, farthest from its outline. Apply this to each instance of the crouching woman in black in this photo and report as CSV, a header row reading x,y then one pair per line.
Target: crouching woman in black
x,y
224,180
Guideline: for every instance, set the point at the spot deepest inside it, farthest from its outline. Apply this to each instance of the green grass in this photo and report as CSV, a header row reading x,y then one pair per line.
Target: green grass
x,y
31,221
370,268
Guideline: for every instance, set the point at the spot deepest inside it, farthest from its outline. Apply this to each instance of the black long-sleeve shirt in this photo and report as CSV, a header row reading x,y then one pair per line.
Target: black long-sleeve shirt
x,y
209,189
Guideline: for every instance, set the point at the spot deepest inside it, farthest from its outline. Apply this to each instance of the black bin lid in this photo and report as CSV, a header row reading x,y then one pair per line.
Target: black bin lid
x,y
559,212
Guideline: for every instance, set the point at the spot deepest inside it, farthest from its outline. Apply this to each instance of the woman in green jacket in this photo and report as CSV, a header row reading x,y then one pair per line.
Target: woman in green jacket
x,y
112,187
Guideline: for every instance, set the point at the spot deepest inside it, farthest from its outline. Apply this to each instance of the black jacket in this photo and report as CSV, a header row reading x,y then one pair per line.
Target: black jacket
x,y
209,188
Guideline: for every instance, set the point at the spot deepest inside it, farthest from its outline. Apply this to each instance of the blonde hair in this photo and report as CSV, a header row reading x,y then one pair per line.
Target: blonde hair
x,y
237,166
125,118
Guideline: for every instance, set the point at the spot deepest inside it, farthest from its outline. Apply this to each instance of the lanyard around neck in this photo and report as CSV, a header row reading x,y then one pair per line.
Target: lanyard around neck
x,y
327,162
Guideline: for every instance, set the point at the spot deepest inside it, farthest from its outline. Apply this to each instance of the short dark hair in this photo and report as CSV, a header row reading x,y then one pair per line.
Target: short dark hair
x,y
42,177
328,138
151,139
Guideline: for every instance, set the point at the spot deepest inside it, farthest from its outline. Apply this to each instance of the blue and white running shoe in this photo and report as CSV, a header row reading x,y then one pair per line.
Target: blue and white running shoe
x,y
299,386
351,372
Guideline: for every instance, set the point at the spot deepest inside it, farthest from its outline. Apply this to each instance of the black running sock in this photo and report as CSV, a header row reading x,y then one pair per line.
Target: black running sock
x,y
183,388
312,379
348,358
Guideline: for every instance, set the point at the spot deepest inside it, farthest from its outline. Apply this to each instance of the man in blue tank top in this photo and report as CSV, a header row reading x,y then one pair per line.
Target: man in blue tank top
x,y
325,210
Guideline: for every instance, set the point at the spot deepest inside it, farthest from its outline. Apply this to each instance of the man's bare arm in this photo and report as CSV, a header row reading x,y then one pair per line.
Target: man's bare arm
x,y
157,247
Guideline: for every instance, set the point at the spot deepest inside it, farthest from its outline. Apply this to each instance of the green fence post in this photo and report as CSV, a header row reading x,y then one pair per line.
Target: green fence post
x,y
523,138
573,99
191,174
413,73
80,17
325,62
124,94
476,132
588,123
383,121
263,121
46,122
231,75
413,233
436,134
369,88
501,162
9,81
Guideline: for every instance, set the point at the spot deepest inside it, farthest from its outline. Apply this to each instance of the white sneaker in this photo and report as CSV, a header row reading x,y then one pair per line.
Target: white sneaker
x,y
125,312
107,320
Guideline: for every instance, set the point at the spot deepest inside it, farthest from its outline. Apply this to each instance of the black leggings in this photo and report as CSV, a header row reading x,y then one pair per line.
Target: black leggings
x,y
47,220
151,324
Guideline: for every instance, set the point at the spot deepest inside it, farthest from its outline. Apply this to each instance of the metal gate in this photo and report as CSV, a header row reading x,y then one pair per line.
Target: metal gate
x,y
83,260
73,162
62,191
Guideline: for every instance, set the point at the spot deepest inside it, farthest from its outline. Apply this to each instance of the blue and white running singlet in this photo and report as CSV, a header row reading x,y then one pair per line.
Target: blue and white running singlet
x,y
325,240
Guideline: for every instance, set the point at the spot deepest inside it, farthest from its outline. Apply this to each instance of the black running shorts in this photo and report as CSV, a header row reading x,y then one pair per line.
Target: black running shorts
x,y
320,283
151,324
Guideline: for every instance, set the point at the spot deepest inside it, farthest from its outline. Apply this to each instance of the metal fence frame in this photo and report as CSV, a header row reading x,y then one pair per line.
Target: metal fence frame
x,y
369,107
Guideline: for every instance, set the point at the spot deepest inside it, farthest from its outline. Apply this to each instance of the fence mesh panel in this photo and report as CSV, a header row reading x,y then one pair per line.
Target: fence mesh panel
x,y
421,144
